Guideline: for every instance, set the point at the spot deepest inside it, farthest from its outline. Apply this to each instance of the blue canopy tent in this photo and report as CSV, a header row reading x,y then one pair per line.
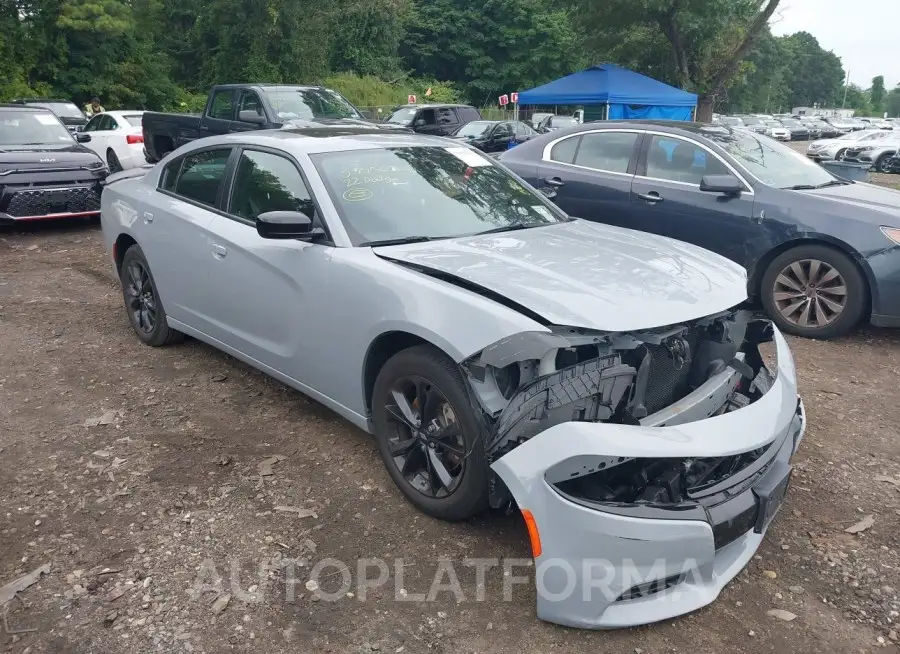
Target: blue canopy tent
x,y
624,94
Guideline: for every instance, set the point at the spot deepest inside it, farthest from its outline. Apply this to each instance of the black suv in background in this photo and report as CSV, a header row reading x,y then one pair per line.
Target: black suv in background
x,y
434,119
66,110
45,172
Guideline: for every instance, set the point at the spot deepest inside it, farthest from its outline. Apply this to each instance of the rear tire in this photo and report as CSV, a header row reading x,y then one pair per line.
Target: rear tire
x,y
881,165
816,285
445,395
839,156
142,304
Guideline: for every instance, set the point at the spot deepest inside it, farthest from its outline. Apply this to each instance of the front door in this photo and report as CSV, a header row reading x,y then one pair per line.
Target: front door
x,y
666,195
591,175
260,288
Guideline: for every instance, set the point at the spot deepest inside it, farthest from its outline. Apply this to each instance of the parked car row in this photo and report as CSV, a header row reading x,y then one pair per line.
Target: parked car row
x,y
499,351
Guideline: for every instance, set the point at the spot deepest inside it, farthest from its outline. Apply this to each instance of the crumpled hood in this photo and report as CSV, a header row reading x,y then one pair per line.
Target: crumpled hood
x,y
588,275
884,201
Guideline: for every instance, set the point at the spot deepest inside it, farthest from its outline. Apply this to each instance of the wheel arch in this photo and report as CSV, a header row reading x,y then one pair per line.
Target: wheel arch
x,y
122,243
381,349
763,263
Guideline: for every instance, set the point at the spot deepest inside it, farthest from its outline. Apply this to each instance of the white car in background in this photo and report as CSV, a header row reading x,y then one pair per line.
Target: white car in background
x,y
776,130
117,136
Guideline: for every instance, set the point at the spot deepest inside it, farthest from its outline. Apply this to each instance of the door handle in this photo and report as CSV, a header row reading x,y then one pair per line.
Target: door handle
x,y
219,251
652,197
554,181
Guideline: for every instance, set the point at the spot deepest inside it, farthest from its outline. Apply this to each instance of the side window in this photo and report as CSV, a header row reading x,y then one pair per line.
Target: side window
x,y
564,151
427,115
111,123
170,175
681,161
93,124
607,151
446,117
249,101
201,176
468,114
503,130
222,105
267,182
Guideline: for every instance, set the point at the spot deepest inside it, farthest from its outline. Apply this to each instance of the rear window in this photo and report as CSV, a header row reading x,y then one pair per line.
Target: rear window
x,y
133,119
468,113
199,176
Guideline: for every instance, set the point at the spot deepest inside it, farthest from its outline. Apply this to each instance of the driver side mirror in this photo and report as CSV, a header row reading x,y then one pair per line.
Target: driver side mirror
x,y
250,116
727,184
294,225
81,137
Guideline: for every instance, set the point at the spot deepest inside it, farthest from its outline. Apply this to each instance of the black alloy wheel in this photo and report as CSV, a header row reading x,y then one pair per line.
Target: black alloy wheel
x,y
142,303
425,441
430,438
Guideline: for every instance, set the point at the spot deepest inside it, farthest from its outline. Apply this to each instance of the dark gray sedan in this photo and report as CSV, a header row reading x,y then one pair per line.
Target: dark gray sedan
x,y
822,253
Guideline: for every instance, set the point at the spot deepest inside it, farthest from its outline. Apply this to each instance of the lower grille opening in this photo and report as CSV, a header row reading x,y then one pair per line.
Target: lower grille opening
x,y
650,588
42,202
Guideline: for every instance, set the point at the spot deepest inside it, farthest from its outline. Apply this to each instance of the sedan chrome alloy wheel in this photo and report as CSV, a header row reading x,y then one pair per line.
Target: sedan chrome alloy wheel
x,y
810,293
140,298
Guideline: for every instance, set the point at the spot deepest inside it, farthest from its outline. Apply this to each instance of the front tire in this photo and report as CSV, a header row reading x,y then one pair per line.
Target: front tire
x,y
145,310
814,291
429,436
882,164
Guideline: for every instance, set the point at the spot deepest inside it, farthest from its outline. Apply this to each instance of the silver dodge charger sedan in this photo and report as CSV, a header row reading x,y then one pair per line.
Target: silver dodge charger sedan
x,y
605,381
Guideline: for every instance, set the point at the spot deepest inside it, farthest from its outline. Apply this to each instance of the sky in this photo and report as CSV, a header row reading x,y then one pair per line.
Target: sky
x,y
865,34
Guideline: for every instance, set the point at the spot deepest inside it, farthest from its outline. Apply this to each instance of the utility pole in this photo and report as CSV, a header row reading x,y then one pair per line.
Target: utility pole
x,y
846,88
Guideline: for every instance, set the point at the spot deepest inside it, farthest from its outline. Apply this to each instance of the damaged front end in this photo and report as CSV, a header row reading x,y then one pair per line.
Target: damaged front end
x,y
645,449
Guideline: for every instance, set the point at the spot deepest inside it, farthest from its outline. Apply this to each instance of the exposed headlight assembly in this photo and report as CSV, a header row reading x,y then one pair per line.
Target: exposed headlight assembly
x,y
892,233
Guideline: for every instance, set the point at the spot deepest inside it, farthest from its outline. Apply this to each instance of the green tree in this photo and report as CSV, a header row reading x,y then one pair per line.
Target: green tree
x,y
877,94
490,47
858,100
708,40
892,103
813,74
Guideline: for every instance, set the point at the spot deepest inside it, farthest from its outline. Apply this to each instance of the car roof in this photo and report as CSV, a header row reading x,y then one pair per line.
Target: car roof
x,y
433,106
669,126
17,100
24,107
313,140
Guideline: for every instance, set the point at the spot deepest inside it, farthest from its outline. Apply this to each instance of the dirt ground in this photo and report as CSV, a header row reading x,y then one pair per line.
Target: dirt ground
x,y
139,475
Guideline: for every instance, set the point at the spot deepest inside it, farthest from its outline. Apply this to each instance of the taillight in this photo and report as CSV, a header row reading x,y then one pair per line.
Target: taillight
x,y
131,139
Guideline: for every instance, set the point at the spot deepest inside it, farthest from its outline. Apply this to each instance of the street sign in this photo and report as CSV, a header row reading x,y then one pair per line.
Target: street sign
x,y
411,99
514,98
504,100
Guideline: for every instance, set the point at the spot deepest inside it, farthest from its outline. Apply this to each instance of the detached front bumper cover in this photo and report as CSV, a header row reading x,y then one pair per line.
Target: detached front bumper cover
x,y
606,566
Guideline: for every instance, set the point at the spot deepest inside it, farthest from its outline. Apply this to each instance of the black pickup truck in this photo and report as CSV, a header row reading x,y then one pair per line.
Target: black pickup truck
x,y
244,107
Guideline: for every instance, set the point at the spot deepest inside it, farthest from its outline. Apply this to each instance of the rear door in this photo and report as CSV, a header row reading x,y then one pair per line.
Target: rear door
x,y
591,173
175,236
666,197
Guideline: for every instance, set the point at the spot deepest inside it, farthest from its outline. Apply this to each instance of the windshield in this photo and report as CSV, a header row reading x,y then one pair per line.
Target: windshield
x,y
773,123
427,192
32,128
133,119
475,128
789,122
291,103
770,161
731,120
751,120
562,121
403,116
61,109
